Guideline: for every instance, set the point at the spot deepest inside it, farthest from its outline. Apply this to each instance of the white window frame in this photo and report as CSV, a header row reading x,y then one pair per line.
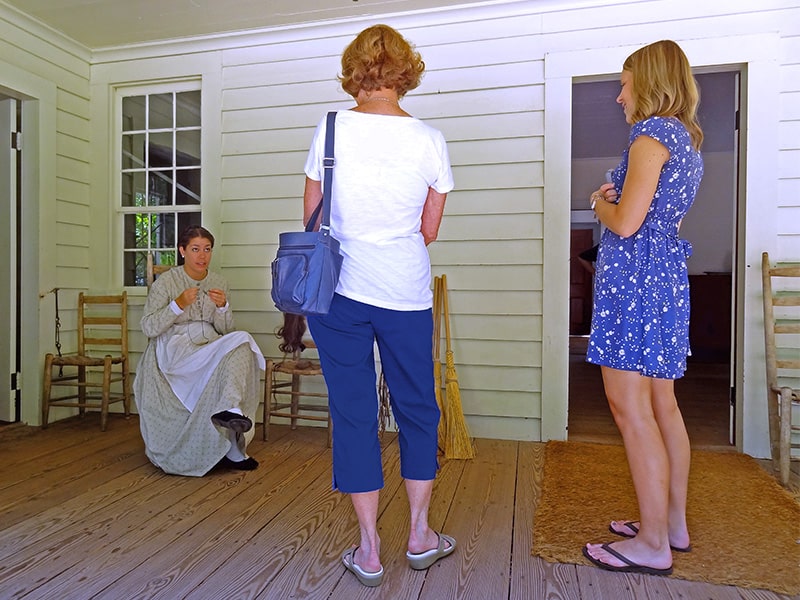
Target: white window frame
x,y
155,88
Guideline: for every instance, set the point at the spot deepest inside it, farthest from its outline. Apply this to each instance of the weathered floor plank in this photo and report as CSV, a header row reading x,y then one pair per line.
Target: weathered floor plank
x,y
481,519
84,515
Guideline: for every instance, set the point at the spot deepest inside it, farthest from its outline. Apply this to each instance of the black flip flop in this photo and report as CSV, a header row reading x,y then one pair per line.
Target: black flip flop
x,y
629,567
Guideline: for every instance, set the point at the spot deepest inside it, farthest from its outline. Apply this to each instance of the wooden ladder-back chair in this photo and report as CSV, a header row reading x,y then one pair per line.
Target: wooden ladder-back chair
x,y
102,344
782,344
283,392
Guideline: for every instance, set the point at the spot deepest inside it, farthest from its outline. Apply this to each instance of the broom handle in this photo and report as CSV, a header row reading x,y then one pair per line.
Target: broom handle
x,y
437,316
446,313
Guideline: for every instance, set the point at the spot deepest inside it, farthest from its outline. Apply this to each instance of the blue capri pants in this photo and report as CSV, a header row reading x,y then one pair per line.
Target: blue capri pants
x,y
345,339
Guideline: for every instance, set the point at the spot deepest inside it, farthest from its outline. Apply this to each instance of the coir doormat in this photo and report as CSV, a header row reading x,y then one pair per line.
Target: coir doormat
x,y
745,527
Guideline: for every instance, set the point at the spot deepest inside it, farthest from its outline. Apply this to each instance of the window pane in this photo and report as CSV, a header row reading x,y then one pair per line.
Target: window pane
x,y
159,188
188,145
163,231
137,227
159,150
188,109
134,190
188,189
164,257
133,113
161,111
135,268
133,151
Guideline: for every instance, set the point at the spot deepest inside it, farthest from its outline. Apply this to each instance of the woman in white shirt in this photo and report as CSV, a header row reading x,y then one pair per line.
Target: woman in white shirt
x,y
392,175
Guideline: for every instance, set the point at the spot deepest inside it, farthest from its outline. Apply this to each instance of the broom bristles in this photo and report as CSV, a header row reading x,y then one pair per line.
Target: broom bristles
x,y
458,441
442,429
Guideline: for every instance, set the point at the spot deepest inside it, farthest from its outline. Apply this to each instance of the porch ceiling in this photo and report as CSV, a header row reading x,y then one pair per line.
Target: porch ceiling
x,y
108,23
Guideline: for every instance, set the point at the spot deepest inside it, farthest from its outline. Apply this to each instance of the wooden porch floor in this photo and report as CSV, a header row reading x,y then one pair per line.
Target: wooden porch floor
x,y
84,515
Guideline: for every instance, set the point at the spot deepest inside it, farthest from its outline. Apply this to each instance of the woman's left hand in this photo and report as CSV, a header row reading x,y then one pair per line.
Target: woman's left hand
x,y
606,192
217,296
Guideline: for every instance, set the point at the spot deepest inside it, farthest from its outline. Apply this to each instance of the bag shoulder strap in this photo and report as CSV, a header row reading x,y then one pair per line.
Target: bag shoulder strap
x,y
327,178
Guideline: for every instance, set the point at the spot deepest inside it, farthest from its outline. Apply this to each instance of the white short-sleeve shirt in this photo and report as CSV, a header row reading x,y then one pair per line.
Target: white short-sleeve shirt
x,y
384,168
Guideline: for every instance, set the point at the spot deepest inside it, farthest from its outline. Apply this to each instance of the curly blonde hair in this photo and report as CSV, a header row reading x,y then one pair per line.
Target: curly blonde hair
x,y
378,58
663,85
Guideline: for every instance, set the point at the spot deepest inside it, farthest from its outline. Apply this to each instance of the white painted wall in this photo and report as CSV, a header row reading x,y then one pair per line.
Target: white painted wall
x,y
498,86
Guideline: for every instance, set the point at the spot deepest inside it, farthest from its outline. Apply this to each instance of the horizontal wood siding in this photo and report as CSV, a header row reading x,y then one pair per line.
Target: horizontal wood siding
x,y
788,243
22,46
490,243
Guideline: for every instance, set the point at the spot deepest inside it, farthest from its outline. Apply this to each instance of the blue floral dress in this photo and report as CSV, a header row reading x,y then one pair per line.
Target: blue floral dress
x,y
640,320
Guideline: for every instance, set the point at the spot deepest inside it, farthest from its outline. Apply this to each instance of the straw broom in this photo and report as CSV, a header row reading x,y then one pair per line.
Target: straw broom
x,y
458,442
437,365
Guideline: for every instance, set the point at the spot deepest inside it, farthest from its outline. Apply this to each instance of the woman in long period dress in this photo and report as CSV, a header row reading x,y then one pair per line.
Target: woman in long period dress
x,y
196,384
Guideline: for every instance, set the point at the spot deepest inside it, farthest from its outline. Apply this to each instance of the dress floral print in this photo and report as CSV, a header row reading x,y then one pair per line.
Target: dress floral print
x,y
640,320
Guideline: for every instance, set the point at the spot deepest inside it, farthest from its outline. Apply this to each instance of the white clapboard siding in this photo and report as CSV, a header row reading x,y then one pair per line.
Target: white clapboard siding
x,y
487,96
484,88
489,242
788,243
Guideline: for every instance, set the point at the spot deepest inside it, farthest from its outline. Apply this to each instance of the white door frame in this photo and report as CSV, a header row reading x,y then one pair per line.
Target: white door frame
x,y
38,228
756,55
8,259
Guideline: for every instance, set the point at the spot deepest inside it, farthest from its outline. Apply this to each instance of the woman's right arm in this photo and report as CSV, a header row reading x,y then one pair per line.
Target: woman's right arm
x,y
311,197
158,315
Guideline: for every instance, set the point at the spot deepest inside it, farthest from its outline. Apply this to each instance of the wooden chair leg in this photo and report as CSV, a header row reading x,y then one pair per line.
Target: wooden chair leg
x,y
295,399
46,385
106,392
267,399
773,414
82,391
126,388
785,435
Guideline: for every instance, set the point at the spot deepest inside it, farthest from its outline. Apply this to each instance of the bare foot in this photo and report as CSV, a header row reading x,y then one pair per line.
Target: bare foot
x,y
429,542
369,562
678,541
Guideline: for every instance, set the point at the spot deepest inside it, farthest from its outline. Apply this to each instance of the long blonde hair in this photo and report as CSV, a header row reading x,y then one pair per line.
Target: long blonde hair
x,y
663,85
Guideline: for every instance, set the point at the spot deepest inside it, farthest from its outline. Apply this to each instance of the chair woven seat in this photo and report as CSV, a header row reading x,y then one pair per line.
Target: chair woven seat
x,y
301,367
85,361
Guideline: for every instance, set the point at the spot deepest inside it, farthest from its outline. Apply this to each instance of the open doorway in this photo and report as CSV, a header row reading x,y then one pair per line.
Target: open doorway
x,y
599,135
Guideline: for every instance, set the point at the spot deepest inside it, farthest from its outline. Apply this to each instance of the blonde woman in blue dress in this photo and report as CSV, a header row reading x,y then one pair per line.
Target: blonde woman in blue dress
x,y
640,322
